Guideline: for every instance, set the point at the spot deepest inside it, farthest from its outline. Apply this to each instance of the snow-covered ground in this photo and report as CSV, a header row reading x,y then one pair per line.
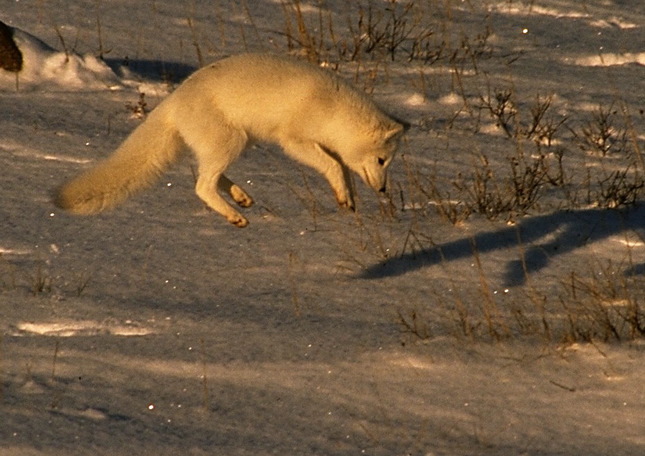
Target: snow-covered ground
x,y
157,328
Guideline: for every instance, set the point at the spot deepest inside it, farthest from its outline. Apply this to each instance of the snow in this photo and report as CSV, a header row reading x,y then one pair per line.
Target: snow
x,y
157,328
45,67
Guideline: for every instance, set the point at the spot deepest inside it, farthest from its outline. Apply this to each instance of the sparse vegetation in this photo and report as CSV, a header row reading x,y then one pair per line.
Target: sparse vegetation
x,y
140,108
601,134
41,281
38,280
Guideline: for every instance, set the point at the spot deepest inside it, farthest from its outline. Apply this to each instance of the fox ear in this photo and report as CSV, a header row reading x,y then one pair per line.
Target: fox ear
x,y
397,128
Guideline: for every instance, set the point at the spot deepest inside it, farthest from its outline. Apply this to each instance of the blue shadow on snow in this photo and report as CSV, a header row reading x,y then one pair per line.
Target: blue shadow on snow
x,y
565,231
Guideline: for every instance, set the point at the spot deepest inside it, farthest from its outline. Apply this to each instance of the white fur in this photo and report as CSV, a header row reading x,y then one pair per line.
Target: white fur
x,y
217,112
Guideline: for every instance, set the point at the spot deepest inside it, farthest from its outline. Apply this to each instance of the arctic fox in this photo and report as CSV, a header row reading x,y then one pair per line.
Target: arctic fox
x,y
217,112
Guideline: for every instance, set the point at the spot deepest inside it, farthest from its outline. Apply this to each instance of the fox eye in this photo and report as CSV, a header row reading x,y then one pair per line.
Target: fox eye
x,y
381,161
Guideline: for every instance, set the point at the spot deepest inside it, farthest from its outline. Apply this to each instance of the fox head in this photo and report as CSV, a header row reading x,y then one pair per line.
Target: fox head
x,y
375,157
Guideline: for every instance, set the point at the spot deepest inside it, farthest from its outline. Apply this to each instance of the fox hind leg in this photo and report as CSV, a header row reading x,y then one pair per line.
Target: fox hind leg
x,y
214,154
206,189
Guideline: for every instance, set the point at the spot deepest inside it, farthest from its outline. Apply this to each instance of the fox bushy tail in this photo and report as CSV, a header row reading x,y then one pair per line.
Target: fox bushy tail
x,y
136,164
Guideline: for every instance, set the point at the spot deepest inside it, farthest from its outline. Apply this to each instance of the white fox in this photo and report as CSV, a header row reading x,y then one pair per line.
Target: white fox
x,y
218,111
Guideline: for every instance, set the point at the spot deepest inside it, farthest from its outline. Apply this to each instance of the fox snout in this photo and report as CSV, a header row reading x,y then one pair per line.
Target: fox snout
x,y
378,181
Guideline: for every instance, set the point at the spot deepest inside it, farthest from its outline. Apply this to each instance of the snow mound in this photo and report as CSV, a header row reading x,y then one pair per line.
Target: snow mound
x,y
45,67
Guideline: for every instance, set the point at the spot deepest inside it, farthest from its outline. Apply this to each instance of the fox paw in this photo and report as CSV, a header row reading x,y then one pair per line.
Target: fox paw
x,y
241,197
239,222
346,204
247,201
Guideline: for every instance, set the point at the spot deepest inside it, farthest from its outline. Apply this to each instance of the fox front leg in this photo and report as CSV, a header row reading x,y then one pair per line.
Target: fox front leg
x,y
314,155
237,193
